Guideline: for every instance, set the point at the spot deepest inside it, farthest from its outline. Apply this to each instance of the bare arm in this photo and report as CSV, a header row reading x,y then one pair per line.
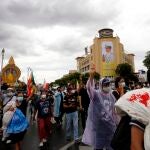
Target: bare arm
x,y
90,85
80,104
137,138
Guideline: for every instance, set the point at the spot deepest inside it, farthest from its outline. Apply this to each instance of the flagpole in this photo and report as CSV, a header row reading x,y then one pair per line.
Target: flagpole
x,y
28,73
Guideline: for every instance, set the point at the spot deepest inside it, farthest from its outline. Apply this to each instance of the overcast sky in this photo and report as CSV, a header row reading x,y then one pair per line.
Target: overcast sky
x,y
47,35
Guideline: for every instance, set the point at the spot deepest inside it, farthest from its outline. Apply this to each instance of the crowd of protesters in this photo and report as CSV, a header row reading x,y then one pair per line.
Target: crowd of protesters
x,y
93,106
45,106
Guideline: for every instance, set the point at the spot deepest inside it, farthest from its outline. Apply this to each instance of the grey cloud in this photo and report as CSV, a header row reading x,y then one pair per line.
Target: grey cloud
x,y
51,64
17,18
15,42
67,46
29,14
140,55
47,13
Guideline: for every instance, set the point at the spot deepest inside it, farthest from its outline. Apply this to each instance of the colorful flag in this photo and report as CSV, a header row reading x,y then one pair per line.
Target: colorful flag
x,y
30,84
45,85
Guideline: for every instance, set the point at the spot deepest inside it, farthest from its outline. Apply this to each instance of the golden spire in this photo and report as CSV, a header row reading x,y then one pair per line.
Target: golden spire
x,y
11,61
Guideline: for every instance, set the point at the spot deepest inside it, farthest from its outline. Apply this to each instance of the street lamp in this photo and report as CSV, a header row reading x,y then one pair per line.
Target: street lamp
x,y
3,51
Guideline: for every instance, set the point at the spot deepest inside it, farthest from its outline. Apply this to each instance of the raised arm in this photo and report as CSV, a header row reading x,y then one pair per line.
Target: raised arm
x,y
90,85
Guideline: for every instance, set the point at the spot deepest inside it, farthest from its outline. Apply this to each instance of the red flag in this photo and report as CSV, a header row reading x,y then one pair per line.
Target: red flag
x,y
30,82
45,85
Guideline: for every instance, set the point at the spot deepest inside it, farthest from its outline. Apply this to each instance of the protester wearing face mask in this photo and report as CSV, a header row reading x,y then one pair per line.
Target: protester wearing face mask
x,y
43,108
101,121
119,87
70,105
21,103
10,96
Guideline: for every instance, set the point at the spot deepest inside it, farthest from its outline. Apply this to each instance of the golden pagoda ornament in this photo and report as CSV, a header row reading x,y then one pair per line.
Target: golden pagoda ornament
x,y
10,73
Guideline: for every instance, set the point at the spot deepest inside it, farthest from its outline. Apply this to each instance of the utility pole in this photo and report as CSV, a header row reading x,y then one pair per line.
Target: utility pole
x,y
2,53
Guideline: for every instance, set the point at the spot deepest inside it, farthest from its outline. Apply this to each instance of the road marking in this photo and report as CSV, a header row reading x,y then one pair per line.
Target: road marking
x,y
69,145
85,148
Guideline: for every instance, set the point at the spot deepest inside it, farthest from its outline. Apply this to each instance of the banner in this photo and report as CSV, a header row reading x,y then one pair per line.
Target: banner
x,y
107,59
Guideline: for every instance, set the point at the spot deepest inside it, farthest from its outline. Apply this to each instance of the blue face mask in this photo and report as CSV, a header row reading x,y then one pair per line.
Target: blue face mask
x,y
20,98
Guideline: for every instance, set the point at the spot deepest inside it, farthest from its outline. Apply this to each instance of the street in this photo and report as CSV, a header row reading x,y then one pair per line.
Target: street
x,y
56,141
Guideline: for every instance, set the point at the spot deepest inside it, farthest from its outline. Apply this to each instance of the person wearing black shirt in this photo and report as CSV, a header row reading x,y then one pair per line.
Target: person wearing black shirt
x,y
85,101
70,106
119,88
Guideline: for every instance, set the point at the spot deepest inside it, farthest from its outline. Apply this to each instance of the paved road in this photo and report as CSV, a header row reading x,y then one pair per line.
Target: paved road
x,y
55,142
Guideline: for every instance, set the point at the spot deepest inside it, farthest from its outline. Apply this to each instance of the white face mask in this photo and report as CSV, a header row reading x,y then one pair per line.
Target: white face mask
x,y
38,93
20,98
107,89
43,96
10,94
123,84
73,91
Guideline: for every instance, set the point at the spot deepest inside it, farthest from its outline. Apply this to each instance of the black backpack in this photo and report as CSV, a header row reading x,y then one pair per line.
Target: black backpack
x,y
122,136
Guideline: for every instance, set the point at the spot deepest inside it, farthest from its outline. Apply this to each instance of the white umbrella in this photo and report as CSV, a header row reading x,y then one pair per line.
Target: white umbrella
x,y
136,103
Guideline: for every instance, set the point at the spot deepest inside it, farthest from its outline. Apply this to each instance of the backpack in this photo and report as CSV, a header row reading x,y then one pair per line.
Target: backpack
x,y
122,136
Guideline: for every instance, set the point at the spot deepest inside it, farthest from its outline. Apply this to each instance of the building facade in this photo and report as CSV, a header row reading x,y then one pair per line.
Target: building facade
x,y
105,54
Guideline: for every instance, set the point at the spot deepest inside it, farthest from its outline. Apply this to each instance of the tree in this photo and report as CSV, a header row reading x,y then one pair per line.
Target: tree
x,y
146,62
126,71
74,77
148,75
70,78
96,76
85,77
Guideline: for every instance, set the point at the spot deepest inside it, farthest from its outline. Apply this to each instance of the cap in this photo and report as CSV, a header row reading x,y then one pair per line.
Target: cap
x,y
105,81
10,89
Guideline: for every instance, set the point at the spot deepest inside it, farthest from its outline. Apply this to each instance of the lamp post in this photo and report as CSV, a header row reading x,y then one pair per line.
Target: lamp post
x,y
3,51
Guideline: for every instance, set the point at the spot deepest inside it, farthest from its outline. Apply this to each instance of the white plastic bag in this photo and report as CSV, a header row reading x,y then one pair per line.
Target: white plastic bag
x,y
7,118
136,104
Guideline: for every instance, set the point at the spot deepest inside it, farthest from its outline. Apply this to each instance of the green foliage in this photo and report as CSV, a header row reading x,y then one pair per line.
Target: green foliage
x,y
146,61
74,77
96,76
148,75
85,77
126,71
70,78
